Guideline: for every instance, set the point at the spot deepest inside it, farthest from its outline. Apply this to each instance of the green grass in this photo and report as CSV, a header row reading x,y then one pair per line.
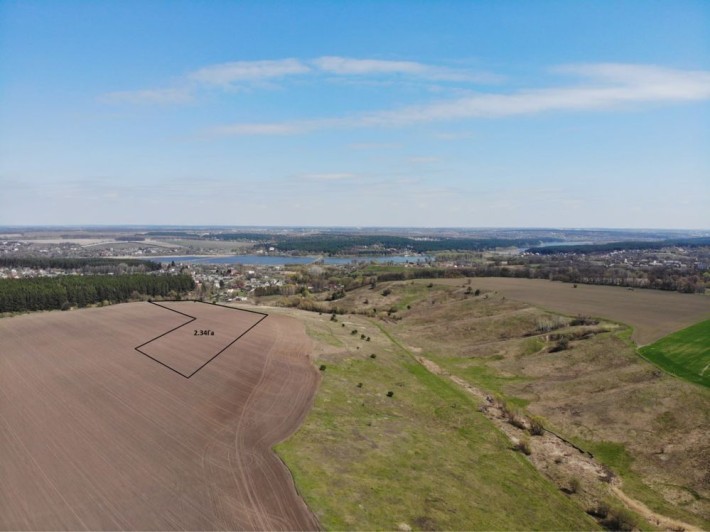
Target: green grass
x,y
478,373
425,457
325,336
685,353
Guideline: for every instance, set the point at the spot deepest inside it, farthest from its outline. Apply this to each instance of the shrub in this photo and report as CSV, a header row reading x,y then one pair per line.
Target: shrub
x,y
621,519
322,367
536,426
359,385
362,337
574,485
523,446
367,339
561,345
386,292
66,305
390,394
373,355
353,332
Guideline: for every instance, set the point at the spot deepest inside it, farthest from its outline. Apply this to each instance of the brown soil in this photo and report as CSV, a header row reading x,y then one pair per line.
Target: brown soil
x,y
652,313
95,435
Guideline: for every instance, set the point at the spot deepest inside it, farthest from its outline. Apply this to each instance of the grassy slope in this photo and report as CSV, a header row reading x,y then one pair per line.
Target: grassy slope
x,y
685,353
481,341
425,457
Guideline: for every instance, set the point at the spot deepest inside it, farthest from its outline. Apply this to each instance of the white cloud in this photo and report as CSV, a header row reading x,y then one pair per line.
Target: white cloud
x,y
229,75
607,86
150,96
345,66
241,71
275,128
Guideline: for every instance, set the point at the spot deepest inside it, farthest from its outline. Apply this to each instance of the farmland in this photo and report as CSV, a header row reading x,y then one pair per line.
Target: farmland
x,y
653,314
685,353
95,435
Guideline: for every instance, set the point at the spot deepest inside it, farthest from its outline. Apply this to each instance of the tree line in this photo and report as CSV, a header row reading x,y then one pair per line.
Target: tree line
x,y
62,292
66,263
586,249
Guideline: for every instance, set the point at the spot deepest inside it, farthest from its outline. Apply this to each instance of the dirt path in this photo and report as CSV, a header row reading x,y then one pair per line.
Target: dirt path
x,y
557,458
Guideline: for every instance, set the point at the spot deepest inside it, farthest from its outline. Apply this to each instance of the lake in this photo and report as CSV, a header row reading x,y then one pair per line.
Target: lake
x,y
277,260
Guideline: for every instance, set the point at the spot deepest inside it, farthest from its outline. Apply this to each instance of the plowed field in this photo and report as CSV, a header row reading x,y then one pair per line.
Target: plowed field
x,y
652,313
96,435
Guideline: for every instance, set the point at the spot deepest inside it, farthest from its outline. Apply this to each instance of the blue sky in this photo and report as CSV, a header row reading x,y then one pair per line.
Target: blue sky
x,y
466,114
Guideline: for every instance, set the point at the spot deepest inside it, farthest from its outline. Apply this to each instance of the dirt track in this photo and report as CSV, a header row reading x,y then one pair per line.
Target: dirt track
x,y
652,313
95,435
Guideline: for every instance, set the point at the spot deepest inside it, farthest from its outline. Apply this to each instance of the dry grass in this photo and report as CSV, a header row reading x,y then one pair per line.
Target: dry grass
x,y
653,314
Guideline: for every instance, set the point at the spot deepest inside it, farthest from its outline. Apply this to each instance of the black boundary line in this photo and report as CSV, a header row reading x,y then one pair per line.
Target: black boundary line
x,y
193,318
205,303
229,344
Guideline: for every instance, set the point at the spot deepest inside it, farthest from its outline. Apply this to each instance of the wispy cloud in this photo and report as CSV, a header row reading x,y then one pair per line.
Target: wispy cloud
x,y
345,66
284,128
604,86
240,71
254,73
150,96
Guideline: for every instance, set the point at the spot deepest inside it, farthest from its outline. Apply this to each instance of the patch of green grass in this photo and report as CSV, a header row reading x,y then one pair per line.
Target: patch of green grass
x,y
425,457
685,353
324,335
478,373
531,346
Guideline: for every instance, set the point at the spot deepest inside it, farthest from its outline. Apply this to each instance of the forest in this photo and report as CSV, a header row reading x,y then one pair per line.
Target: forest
x,y
586,249
66,291
97,265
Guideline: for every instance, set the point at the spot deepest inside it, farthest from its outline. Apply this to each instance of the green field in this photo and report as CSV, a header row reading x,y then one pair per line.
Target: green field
x,y
424,458
685,353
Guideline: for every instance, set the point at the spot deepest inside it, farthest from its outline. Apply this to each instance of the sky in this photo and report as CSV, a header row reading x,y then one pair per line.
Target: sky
x,y
356,113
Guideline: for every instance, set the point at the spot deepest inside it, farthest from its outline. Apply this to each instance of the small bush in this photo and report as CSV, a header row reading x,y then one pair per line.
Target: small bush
x,y
390,394
386,292
342,325
333,318
359,385
561,345
373,355
523,446
621,519
322,367
66,305
574,485
601,510
536,426
353,332
477,292
367,339
362,337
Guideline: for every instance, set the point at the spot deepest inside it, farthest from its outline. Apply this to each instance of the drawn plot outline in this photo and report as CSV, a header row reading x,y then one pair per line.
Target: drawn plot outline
x,y
190,320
